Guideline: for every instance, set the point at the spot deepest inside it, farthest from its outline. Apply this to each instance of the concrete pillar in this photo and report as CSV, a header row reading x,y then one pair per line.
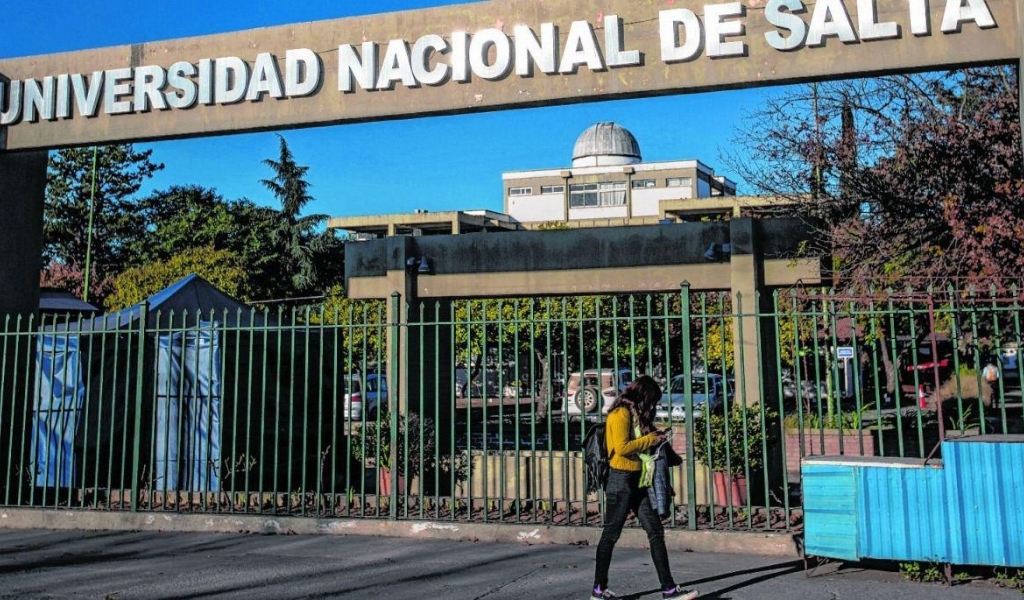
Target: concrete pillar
x,y
400,293
753,334
22,190
419,349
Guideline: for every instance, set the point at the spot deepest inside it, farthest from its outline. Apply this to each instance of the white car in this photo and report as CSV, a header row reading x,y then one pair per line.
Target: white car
x,y
369,392
352,402
707,391
594,391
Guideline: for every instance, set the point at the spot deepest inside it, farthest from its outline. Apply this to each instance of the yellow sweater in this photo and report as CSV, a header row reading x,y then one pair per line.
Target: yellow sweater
x,y
621,445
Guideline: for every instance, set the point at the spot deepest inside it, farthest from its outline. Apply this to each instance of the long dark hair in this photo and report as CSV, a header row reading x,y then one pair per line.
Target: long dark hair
x,y
641,397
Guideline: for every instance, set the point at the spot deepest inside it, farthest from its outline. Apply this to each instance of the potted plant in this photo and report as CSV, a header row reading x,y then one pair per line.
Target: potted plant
x,y
732,446
408,453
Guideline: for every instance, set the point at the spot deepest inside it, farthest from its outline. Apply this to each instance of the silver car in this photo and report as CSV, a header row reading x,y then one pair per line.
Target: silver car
x,y
707,391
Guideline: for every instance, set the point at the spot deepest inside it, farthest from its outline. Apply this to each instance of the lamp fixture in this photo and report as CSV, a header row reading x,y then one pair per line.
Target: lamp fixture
x,y
425,266
421,265
718,252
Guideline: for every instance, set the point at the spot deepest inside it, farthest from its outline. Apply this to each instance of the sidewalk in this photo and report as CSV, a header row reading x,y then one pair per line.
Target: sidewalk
x,y
44,564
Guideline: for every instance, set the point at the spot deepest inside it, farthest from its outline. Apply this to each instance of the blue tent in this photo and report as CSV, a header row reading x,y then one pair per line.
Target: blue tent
x,y
85,380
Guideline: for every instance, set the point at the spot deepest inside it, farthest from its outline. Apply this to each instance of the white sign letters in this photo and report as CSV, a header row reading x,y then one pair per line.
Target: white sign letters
x,y
719,31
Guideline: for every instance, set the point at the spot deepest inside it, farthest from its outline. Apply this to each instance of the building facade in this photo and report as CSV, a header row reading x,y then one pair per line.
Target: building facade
x,y
609,183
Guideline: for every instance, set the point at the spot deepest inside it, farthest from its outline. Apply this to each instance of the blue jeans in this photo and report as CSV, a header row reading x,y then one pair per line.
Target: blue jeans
x,y
622,496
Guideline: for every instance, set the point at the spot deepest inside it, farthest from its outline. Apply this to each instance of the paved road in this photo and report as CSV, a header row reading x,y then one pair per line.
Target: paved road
x,y
37,564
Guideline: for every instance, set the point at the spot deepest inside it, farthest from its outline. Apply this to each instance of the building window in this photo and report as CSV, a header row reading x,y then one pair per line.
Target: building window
x,y
552,189
520,191
643,183
679,182
612,193
582,194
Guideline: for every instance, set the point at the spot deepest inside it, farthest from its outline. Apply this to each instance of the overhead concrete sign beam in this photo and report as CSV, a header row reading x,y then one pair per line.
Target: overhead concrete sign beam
x,y
476,57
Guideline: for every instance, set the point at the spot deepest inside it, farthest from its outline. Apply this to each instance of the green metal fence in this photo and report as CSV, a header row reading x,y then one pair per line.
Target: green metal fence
x,y
475,410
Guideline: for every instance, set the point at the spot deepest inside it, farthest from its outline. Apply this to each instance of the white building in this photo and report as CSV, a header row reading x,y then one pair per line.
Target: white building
x,y
609,183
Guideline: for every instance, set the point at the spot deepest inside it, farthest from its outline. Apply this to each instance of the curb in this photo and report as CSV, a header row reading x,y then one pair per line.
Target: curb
x,y
728,542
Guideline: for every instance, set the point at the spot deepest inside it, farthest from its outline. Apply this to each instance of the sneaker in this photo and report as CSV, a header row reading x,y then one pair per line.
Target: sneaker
x,y
678,593
599,594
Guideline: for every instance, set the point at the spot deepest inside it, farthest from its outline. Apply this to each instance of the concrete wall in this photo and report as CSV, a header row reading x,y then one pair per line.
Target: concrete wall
x,y
594,261
556,477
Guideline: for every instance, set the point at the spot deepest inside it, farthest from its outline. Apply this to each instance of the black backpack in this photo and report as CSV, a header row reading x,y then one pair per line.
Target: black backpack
x,y
595,458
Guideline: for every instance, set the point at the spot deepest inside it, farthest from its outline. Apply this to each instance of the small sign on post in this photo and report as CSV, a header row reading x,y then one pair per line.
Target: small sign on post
x,y
844,352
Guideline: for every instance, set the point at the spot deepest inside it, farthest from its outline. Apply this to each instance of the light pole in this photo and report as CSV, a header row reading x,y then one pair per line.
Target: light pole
x,y
88,239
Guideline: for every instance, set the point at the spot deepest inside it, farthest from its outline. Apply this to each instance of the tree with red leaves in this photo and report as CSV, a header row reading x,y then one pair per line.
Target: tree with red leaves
x,y
915,179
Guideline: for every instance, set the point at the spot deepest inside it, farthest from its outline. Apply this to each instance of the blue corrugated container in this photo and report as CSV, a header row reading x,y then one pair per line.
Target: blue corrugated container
x,y
986,477
960,510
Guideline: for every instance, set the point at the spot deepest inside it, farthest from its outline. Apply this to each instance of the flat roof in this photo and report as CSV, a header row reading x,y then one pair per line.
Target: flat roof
x,y
426,223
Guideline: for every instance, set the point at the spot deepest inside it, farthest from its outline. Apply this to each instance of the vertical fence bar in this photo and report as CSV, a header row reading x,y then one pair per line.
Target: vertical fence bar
x,y
876,343
776,323
9,413
24,355
401,372
140,364
997,388
741,370
687,364
234,461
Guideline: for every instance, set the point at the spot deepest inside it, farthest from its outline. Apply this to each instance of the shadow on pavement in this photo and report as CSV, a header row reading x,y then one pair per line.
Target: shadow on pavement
x,y
778,570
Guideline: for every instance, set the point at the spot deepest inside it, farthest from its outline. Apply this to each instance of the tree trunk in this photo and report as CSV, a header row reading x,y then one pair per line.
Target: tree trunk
x,y
887,363
542,392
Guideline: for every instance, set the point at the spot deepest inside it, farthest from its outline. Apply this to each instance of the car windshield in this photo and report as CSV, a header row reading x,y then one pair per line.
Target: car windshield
x,y
697,385
352,386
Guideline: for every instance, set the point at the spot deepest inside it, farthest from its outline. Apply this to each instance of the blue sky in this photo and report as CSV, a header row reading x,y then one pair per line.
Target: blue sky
x,y
372,168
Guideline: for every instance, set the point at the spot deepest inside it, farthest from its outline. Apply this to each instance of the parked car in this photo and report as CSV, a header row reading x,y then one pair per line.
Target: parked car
x,y
352,401
375,394
707,391
368,393
593,391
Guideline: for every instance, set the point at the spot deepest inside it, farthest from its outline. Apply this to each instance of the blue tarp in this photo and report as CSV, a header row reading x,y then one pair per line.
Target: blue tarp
x,y
188,405
59,397
187,374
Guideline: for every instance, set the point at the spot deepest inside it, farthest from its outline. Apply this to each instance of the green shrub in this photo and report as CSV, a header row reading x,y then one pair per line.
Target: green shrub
x,y
727,443
374,439
850,420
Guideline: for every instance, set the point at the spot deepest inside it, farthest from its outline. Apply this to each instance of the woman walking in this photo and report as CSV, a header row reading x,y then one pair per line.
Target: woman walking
x,y
629,434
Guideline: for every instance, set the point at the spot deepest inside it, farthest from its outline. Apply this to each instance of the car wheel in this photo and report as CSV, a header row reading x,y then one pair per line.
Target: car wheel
x,y
587,399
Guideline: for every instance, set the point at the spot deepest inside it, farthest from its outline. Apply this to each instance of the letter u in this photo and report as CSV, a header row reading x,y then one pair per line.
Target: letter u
x,y
13,113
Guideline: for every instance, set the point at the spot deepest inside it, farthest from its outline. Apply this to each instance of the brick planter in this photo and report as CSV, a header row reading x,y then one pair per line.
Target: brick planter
x,y
818,442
